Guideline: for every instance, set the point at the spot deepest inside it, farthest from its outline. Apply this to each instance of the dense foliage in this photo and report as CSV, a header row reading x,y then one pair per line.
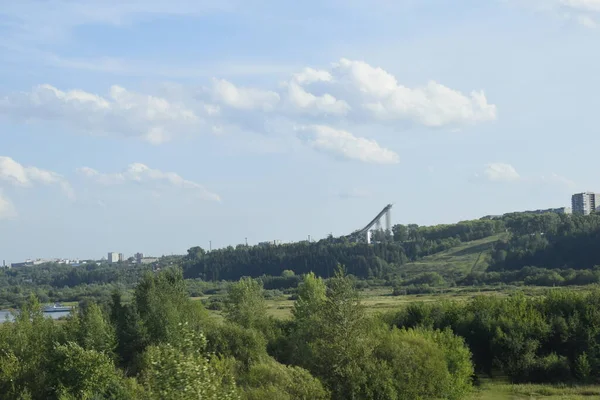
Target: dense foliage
x,y
163,345
549,241
553,338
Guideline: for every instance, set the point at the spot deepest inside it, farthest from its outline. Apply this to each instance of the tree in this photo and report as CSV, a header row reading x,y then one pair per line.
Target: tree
x,y
400,233
92,330
181,371
245,304
163,303
86,374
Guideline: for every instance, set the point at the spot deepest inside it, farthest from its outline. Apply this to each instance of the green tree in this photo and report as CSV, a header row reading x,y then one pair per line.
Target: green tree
x,y
92,330
245,304
181,371
163,303
88,374
25,353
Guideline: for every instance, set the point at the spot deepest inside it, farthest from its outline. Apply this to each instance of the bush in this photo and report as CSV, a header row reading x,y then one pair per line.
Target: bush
x,y
271,380
231,340
549,369
414,366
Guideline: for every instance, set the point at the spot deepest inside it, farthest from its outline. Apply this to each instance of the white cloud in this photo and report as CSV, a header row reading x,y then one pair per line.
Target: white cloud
x,y
7,209
582,5
349,92
368,94
53,20
343,144
583,12
302,100
140,173
433,105
152,118
310,75
500,172
19,175
244,98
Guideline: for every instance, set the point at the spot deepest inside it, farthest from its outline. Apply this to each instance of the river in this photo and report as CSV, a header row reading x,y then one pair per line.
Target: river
x,y
54,315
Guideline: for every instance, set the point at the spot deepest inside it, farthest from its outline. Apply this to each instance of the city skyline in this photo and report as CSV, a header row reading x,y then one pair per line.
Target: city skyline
x,y
157,126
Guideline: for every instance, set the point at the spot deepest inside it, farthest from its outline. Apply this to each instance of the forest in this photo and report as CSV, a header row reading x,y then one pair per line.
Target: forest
x,y
160,344
526,249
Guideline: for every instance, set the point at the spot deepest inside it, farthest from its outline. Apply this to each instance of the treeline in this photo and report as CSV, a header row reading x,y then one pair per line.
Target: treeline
x,y
60,275
322,257
162,345
554,338
549,241
378,260
534,276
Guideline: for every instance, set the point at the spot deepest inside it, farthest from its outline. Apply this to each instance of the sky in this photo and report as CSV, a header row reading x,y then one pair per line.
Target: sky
x,y
153,126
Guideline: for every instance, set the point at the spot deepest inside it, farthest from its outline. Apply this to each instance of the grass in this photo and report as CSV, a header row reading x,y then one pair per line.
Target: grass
x,y
498,390
458,261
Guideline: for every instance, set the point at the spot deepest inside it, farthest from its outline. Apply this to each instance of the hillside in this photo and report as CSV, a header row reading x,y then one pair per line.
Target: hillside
x,y
457,262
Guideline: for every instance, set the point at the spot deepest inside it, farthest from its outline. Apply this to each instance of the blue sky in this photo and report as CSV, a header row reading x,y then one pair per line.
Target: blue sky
x,y
157,125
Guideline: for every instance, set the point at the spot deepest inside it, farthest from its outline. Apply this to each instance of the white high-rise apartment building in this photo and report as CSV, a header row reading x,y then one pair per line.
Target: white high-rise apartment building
x,y
585,203
113,257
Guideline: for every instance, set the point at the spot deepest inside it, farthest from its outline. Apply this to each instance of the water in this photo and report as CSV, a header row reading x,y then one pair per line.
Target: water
x,y
54,315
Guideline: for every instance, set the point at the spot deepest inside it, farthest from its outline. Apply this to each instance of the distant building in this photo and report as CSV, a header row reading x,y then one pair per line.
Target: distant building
x,y
27,263
139,257
121,257
148,260
113,257
585,203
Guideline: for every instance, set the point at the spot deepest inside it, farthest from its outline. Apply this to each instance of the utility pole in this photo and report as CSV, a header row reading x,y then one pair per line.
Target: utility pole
x,y
246,242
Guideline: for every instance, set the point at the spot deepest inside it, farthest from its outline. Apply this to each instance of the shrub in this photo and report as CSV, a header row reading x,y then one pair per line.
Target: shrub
x,y
271,380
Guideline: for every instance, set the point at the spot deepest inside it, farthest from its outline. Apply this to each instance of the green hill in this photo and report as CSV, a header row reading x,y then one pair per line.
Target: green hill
x,y
456,262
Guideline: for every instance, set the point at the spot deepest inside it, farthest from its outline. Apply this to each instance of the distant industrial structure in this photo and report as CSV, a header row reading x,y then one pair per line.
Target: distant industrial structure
x,y
365,234
585,203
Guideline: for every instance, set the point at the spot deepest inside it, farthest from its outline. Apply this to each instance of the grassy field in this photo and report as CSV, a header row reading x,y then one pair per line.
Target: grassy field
x,y
504,391
458,261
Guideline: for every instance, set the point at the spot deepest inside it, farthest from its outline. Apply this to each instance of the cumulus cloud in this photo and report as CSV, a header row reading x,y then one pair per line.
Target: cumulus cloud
x,y
433,105
244,98
343,144
152,118
19,175
348,92
500,172
303,101
142,174
7,209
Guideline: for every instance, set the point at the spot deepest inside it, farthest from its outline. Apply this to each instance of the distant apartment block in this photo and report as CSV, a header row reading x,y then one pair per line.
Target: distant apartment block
x,y
139,257
585,203
113,257
121,257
